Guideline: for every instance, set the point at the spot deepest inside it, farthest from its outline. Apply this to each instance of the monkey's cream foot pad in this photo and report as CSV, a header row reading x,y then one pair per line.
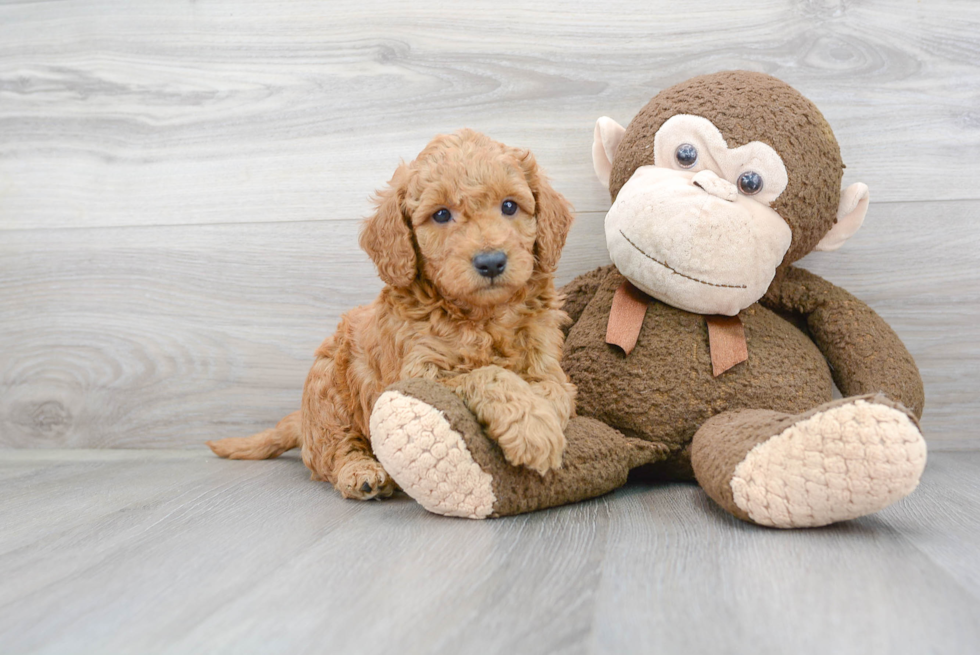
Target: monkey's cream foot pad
x,y
436,450
848,461
428,458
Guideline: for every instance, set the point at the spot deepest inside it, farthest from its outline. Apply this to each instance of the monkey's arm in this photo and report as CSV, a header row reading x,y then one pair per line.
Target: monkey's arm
x,y
864,353
579,292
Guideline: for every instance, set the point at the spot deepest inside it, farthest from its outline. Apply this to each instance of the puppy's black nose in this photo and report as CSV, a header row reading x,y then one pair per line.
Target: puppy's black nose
x,y
490,264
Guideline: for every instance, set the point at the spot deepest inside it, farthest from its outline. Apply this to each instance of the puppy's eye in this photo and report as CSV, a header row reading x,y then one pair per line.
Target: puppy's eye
x,y
750,183
687,155
442,216
508,208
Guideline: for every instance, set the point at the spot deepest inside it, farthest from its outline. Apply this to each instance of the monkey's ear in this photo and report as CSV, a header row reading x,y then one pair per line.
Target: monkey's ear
x,y
850,215
387,238
608,133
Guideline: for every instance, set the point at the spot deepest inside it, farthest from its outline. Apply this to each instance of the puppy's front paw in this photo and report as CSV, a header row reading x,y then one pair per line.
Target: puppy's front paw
x,y
364,479
535,440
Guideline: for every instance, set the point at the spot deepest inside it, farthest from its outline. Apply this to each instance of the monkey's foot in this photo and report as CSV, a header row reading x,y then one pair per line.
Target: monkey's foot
x,y
434,448
840,461
428,457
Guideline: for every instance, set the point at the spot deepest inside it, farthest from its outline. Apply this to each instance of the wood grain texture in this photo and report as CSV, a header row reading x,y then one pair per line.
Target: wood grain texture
x,y
169,336
180,183
148,113
180,188
179,552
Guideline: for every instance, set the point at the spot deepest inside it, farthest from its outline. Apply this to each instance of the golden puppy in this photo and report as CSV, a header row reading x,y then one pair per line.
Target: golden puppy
x,y
466,238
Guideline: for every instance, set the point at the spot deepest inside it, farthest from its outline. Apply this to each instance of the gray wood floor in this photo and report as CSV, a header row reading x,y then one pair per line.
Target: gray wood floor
x,y
180,191
179,552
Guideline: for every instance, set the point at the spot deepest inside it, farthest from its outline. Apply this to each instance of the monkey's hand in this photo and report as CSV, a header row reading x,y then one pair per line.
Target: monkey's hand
x,y
865,354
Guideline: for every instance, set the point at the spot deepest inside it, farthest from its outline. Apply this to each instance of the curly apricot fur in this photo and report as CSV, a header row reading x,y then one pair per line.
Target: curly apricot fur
x,y
496,341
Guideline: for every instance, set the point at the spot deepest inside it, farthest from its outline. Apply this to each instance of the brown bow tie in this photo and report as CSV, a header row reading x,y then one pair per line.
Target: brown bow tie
x,y
726,335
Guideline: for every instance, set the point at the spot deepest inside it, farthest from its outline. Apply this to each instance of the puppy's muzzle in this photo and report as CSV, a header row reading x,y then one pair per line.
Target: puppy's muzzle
x,y
490,264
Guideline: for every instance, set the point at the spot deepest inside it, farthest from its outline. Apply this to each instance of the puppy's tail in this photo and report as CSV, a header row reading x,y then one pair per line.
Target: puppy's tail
x,y
265,445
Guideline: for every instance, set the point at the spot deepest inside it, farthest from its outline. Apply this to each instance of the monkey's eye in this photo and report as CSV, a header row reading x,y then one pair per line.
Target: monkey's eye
x,y
508,208
442,216
750,183
686,154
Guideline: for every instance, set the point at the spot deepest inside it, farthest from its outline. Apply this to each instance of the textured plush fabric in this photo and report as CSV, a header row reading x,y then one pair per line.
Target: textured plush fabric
x,y
690,248
422,452
665,389
597,458
629,306
850,216
750,107
722,443
579,292
716,159
606,138
842,460
770,443
726,341
865,354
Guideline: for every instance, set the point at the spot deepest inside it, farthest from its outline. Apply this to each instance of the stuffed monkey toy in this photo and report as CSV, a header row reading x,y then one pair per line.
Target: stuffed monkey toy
x,y
702,353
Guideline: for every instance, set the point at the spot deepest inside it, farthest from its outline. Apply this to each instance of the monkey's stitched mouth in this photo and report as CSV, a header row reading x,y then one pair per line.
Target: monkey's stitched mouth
x,y
675,271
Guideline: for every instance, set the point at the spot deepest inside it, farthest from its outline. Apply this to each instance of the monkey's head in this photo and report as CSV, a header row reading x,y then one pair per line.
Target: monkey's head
x,y
716,184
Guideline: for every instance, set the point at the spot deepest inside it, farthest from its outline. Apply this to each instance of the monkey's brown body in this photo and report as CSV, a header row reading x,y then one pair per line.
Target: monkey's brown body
x,y
664,390
718,185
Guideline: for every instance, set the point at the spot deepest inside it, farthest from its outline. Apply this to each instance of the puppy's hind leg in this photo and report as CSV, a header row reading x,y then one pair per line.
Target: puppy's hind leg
x,y
264,445
357,472
336,452
334,449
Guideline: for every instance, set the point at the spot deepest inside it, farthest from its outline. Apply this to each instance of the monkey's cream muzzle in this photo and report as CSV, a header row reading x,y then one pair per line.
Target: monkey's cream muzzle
x,y
699,247
682,231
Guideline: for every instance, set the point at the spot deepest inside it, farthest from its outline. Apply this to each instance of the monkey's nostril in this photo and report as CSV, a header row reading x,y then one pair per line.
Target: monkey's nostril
x,y
490,264
716,186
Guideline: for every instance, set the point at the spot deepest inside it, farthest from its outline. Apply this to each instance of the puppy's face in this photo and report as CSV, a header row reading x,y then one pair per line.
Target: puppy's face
x,y
473,214
474,217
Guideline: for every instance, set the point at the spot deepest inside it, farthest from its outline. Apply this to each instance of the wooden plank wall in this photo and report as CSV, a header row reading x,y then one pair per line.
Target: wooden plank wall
x,y
181,183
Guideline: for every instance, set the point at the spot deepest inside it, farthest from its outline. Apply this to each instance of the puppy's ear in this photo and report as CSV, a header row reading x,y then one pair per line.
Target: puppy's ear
x,y
554,217
387,238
